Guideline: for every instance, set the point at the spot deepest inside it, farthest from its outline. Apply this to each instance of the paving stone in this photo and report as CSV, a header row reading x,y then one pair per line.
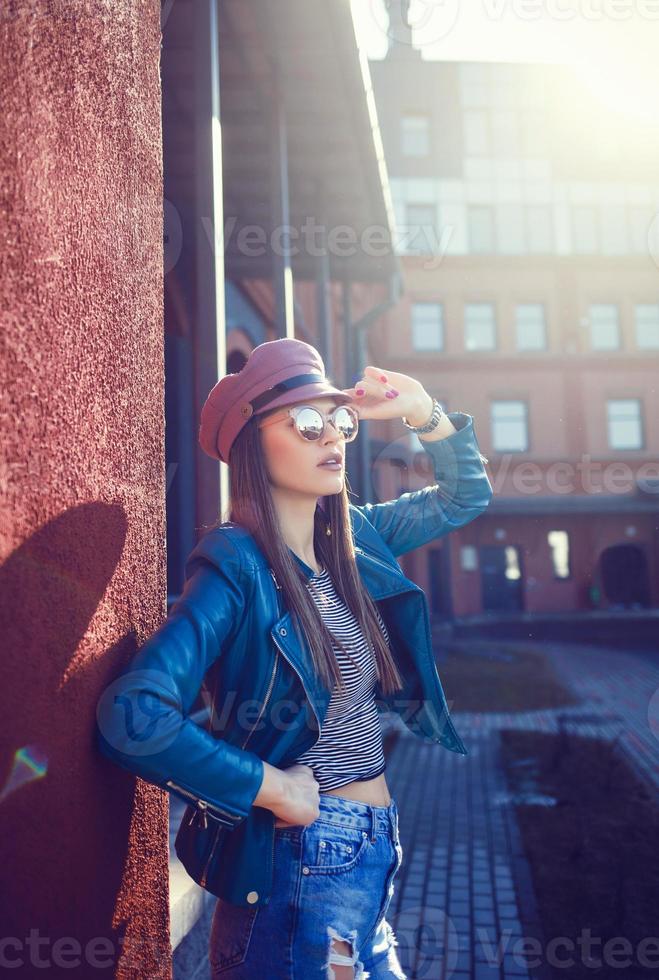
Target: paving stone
x,y
457,836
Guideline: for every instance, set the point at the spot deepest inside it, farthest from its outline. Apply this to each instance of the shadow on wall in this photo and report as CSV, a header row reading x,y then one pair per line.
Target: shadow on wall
x,y
64,821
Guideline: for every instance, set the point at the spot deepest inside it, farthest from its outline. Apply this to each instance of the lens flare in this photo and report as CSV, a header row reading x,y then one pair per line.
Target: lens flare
x,y
30,763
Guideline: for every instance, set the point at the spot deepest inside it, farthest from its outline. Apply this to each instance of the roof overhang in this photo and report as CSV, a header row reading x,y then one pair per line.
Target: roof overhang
x,y
308,51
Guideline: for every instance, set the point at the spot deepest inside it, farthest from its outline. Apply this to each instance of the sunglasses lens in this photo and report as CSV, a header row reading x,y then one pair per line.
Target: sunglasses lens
x,y
346,422
310,423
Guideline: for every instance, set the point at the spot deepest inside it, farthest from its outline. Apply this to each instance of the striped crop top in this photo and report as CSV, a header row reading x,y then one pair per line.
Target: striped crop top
x,y
350,744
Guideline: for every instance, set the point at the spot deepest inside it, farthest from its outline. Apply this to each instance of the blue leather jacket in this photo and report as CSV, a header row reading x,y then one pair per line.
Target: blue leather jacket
x,y
230,633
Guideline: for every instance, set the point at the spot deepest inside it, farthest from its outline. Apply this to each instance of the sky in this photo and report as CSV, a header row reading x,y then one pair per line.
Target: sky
x,y
612,44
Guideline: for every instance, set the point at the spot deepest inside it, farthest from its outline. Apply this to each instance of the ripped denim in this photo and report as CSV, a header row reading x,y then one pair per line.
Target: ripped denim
x,y
333,882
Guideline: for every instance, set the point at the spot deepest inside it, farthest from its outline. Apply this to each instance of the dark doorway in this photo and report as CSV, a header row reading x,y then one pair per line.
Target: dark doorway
x,y
502,578
624,572
439,578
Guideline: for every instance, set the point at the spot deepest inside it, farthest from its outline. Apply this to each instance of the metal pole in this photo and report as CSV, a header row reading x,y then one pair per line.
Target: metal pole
x,y
323,295
210,328
282,272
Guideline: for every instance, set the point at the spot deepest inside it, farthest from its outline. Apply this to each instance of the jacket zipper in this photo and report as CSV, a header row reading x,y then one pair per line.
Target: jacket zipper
x,y
369,554
204,807
286,657
283,653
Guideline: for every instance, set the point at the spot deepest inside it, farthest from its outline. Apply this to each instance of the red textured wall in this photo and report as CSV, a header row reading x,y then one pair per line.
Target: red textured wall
x,y
82,481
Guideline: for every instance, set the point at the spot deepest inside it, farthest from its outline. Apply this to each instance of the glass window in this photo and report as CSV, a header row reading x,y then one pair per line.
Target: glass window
x,y
415,135
647,325
586,229
530,326
505,133
540,230
513,569
511,237
559,545
533,126
604,329
476,133
614,230
640,219
427,326
481,229
421,228
480,327
624,423
509,426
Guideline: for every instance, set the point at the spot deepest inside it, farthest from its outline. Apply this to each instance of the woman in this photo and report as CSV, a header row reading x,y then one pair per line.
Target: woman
x,y
297,598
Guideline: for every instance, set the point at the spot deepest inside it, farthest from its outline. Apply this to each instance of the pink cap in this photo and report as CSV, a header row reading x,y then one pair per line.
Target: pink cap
x,y
277,373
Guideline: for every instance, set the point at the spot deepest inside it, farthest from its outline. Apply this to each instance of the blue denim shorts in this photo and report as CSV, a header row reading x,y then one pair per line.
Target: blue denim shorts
x,y
333,880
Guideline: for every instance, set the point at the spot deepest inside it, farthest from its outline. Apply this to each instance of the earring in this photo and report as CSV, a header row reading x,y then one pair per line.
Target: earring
x,y
328,530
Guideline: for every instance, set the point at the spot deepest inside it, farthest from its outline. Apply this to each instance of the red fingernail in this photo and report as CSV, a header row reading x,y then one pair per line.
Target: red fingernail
x,y
359,391
383,377
391,394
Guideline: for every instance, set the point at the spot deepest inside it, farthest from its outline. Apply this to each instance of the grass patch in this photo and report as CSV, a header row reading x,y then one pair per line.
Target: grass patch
x,y
479,676
594,855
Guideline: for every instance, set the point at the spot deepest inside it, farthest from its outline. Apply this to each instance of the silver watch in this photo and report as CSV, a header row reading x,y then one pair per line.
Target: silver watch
x,y
433,421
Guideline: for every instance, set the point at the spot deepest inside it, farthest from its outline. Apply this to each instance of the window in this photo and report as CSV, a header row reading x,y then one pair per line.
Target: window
x,y
586,230
481,229
640,222
540,232
624,423
505,133
421,228
614,230
604,331
534,130
509,426
427,326
530,326
511,237
480,327
476,134
647,325
415,135
559,545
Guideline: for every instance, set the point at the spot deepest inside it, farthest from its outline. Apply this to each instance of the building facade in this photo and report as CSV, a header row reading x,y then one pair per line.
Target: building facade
x,y
528,225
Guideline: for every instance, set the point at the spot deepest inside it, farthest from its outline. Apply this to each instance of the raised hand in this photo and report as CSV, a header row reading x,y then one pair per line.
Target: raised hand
x,y
410,400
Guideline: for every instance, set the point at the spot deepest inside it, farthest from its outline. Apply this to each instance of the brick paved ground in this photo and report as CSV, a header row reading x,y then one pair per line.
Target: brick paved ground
x,y
463,895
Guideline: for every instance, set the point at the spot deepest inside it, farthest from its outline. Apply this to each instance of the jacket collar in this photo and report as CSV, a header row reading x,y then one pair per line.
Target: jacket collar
x,y
382,580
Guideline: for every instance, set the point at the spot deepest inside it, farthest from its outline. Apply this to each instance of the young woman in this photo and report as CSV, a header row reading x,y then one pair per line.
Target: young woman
x,y
297,607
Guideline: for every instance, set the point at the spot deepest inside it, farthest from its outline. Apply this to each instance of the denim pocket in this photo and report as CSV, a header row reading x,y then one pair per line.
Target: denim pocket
x,y
330,848
231,931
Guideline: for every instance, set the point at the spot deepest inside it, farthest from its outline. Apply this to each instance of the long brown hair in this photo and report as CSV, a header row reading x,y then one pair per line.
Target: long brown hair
x,y
253,508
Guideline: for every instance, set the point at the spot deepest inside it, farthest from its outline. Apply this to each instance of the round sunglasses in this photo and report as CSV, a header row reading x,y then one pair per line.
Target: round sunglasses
x,y
310,423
